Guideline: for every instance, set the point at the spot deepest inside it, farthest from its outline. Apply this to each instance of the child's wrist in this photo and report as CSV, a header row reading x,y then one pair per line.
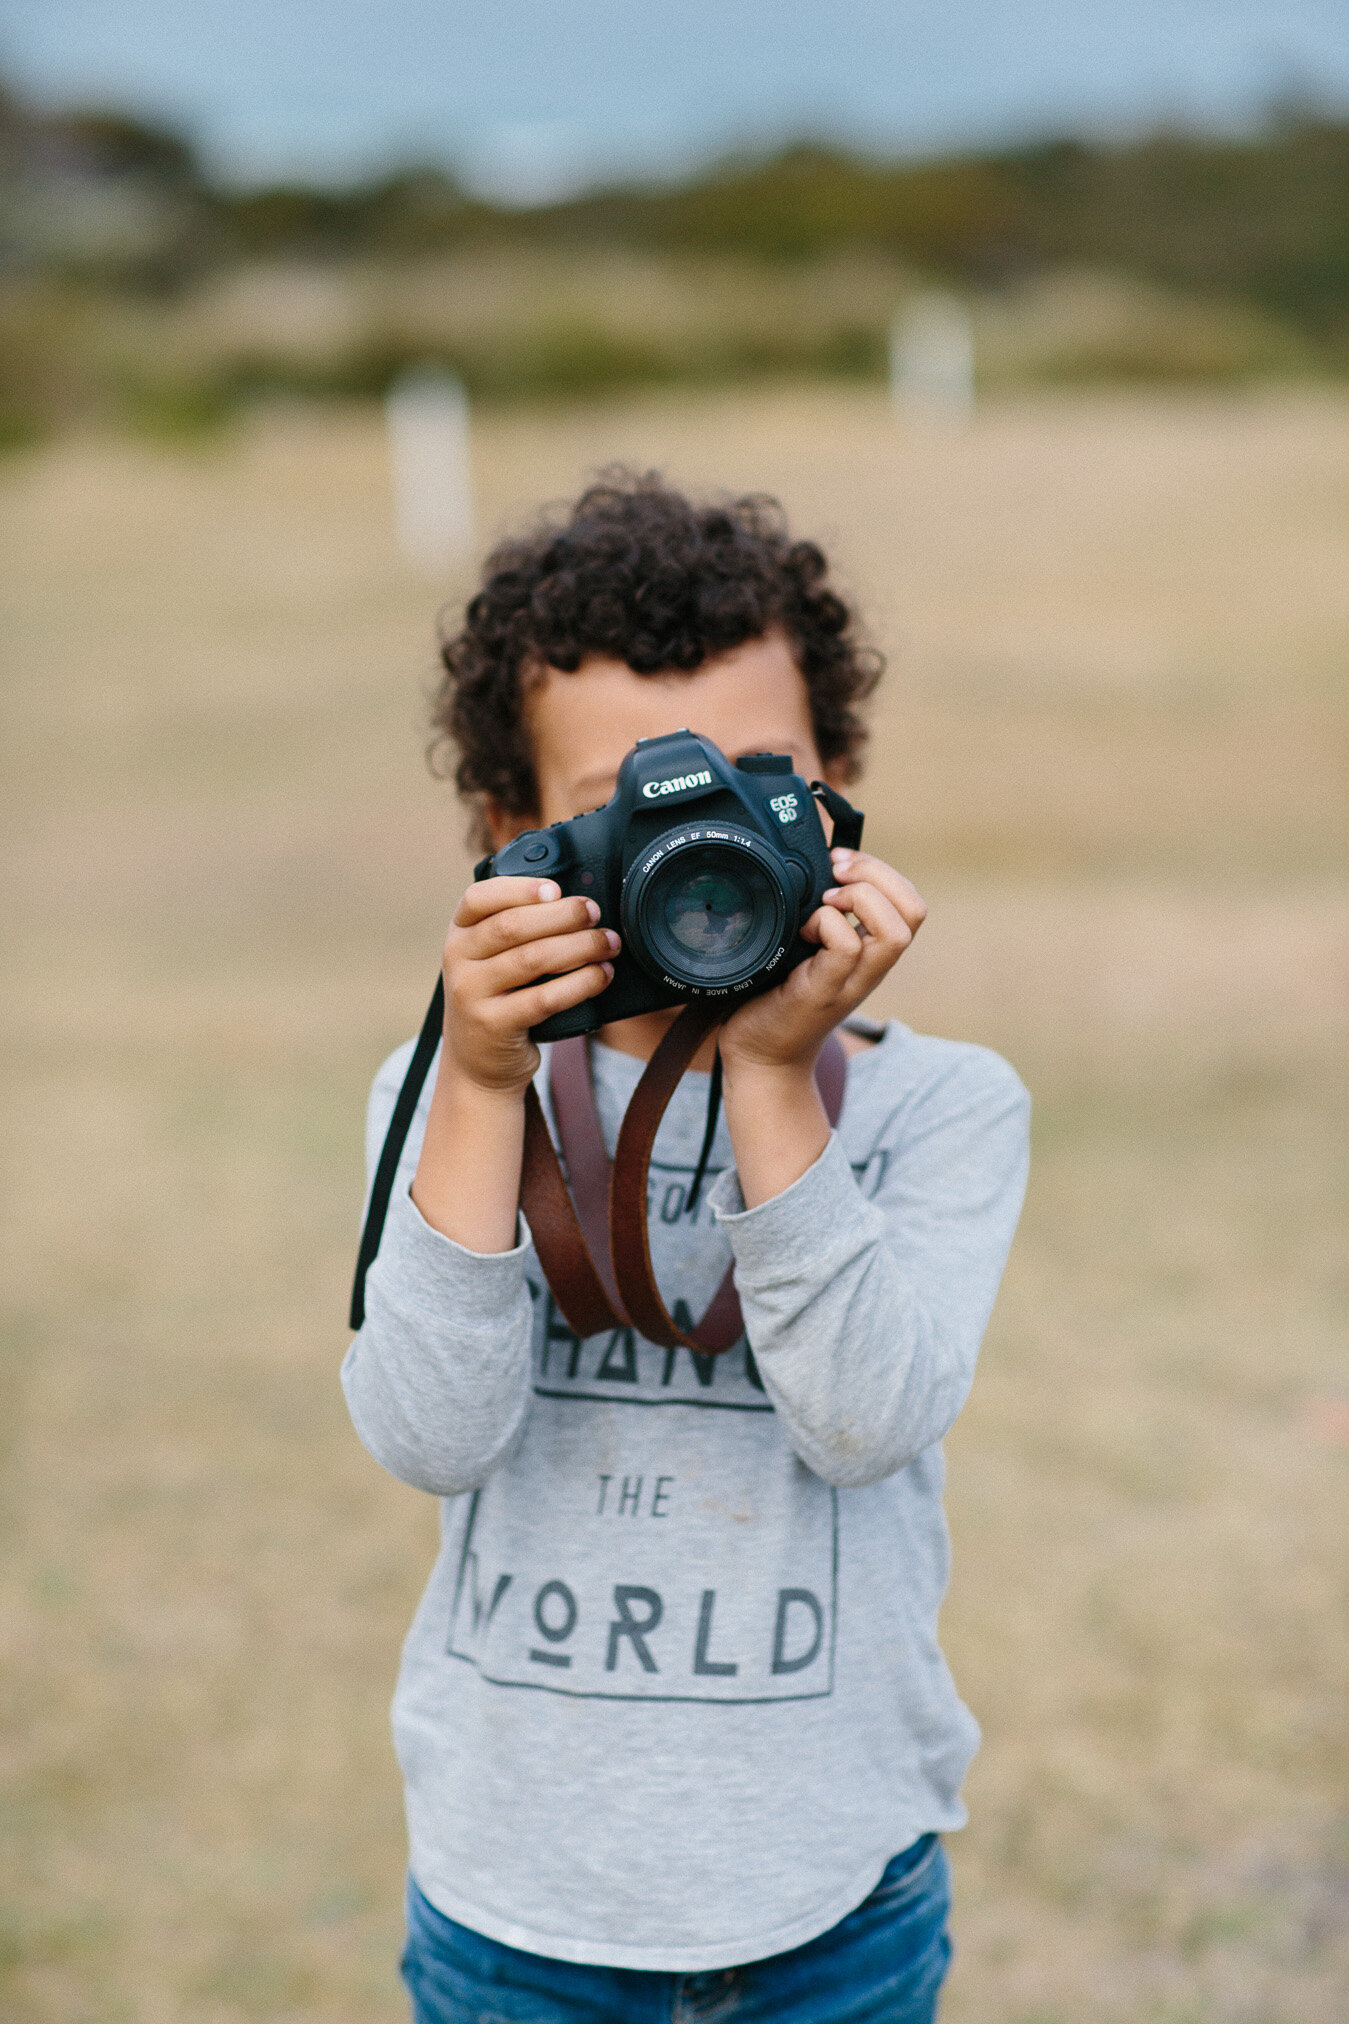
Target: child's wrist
x,y
777,1123
486,1088
467,1181
781,1079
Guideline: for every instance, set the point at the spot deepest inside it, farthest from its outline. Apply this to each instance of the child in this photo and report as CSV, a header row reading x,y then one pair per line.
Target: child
x,y
677,1737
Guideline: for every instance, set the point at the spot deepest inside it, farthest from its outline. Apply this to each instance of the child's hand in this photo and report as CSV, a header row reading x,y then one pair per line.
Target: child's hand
x,y
786,1027
507,934
768,1048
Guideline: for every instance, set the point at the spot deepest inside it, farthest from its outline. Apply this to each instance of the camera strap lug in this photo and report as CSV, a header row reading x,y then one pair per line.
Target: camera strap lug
x,y
846,819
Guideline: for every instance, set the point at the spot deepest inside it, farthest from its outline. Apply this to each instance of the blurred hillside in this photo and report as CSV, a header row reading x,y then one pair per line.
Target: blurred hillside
x,y
133,288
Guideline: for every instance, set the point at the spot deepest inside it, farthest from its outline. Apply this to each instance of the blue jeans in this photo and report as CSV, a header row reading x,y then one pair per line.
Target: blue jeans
x,y
883,1964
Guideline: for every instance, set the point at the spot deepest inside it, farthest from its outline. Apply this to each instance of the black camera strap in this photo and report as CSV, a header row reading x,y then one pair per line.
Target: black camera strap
x,y
404,1110
847,821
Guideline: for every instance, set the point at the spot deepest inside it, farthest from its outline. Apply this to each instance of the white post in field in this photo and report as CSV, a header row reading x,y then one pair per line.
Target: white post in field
x,y
432,477
932,360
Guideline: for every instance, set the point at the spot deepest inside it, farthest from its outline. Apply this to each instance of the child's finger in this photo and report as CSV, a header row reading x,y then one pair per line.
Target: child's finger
x,y
489,895
514,1011
858,867
885,934
515,925
831,968
515,968
877,914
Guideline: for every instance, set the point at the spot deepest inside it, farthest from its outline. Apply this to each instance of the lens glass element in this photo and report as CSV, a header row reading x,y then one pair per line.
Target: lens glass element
x,y
709,913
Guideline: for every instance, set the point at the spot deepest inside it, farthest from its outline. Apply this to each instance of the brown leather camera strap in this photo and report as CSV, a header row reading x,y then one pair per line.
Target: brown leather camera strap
x,y
559,1244
596,1251
629,1230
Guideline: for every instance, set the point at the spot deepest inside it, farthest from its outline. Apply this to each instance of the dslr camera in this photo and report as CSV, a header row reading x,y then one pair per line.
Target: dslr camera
x,y
707,870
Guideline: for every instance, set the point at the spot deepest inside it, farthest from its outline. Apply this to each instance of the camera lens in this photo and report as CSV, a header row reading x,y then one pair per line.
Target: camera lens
x,y
708,912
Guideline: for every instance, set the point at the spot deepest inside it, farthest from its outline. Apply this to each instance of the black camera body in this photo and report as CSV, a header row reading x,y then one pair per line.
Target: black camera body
x,y
706,869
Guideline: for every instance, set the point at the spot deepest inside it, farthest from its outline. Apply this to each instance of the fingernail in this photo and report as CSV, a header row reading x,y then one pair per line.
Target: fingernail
x,y
842,857
549,891
613,940
592,912
831,893
608,970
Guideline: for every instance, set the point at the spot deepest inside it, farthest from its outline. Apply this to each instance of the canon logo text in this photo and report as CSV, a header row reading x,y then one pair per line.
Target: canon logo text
x,y
652,788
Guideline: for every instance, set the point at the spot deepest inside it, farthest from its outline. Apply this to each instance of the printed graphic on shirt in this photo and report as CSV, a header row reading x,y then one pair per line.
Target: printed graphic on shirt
x,y
637,1557
622,1367
641,1588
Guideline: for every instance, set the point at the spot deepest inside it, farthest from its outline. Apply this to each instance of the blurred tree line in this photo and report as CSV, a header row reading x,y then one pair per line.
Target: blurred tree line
x,y
131,284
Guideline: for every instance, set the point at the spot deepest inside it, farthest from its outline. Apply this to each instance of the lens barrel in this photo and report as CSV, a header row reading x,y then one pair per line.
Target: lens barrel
x,y
708,908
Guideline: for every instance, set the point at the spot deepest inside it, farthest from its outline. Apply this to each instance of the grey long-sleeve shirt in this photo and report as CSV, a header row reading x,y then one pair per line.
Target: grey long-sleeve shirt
x,y
673,1695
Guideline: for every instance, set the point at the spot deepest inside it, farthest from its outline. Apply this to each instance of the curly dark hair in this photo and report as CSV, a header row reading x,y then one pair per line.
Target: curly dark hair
x,y
637,571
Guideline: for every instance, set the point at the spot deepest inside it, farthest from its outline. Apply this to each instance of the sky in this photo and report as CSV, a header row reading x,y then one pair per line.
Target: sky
x,y
534,98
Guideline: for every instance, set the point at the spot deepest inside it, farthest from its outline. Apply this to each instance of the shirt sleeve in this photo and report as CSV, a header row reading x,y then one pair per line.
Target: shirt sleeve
x,y
437,1381
866,1316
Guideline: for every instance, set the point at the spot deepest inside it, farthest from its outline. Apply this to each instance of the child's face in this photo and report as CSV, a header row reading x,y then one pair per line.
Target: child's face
x,y
582,726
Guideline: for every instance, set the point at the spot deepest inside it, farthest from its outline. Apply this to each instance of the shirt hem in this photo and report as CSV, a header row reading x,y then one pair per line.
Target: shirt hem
x,y
693,1960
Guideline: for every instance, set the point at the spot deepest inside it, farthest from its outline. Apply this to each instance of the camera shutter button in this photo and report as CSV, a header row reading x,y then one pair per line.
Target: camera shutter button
x,y
535,853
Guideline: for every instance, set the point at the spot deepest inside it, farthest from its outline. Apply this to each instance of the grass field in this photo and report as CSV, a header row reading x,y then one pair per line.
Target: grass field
x,y
1112,753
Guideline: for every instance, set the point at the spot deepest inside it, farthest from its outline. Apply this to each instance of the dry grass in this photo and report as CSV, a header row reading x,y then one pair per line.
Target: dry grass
x,y
1113,754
